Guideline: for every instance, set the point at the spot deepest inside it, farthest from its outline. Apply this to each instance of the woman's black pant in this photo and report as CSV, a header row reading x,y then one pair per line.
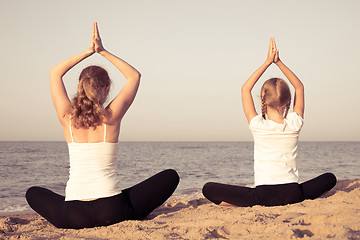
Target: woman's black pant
x,y
269,195
134,203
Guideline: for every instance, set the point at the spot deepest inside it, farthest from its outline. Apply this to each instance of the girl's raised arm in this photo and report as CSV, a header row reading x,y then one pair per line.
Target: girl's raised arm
x,y
299,99
58,92
121,103
247,100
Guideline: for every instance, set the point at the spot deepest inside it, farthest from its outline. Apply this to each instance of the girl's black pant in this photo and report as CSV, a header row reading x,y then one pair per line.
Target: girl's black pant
x,y
269,195
134,203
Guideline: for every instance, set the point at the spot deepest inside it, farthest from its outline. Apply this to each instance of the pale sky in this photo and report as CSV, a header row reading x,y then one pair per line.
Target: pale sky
x,y
194,57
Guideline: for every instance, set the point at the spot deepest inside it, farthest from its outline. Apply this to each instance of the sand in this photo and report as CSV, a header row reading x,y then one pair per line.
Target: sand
x,y
336,215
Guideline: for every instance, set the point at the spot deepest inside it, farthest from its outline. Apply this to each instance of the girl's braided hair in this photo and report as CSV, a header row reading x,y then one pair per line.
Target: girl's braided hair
x,y
275,93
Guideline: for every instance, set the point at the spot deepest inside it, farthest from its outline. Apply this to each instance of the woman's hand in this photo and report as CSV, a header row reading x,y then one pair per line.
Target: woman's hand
x,y
91,48
98,47
95,44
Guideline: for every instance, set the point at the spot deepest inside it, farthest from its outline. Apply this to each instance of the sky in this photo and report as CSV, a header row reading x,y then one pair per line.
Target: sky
x,y
194,57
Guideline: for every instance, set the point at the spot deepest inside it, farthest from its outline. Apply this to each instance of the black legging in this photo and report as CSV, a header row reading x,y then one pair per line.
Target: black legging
x,y
269,195
134,203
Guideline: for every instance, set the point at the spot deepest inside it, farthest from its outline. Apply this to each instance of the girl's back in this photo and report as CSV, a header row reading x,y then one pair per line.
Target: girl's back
x,y
275,149
275,133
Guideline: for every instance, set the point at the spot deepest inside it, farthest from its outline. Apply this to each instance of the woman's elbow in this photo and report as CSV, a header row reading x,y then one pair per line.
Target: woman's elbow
x,y
133,75
244,89
54,72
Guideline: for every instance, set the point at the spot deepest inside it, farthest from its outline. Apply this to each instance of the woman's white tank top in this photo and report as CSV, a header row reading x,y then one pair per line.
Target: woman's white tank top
x,y
93,170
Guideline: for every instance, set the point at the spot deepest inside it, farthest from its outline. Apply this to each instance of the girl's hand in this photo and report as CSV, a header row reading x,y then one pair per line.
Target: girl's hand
x,y
276,57
98,47
271,52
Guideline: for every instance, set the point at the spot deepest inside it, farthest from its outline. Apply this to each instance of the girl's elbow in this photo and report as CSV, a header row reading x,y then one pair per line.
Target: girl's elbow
x,y
136,76
300,87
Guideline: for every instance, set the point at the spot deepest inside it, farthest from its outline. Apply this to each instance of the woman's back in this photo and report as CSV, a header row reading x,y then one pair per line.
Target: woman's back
x,y
91,135
93,164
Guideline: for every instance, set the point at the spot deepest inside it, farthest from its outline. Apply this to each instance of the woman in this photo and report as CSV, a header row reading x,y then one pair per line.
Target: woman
x,y
93,196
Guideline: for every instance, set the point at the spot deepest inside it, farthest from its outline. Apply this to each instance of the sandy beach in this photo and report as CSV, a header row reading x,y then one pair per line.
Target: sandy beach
x,y
336,215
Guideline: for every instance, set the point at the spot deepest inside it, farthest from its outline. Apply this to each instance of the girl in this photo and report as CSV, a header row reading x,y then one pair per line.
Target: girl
x,y
275,133
92,196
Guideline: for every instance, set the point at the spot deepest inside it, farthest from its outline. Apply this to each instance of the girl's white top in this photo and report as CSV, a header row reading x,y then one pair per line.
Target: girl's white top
x,y
275,149
93,170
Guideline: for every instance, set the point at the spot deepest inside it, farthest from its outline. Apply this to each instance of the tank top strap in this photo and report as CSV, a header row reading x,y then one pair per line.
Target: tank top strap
x,y
104,132
71,135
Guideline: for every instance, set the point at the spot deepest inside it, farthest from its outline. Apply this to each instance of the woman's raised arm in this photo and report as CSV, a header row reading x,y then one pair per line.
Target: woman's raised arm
x,y
121,103
58,92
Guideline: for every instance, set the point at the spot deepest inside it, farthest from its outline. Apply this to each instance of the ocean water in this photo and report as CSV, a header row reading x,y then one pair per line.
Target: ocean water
x,y
26,164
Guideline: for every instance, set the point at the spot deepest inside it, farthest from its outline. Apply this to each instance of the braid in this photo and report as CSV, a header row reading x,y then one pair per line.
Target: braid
x,y
263,107
275,93
287,107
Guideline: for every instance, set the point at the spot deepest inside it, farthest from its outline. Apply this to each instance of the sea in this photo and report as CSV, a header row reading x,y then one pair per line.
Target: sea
x,y
46,164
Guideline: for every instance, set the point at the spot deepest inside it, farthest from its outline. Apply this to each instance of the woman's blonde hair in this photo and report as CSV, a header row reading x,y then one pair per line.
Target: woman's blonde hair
x,y
86,107
275,93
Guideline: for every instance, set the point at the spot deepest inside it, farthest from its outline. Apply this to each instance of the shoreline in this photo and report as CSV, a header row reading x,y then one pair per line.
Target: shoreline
x,y
17,214
188,195
335,215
